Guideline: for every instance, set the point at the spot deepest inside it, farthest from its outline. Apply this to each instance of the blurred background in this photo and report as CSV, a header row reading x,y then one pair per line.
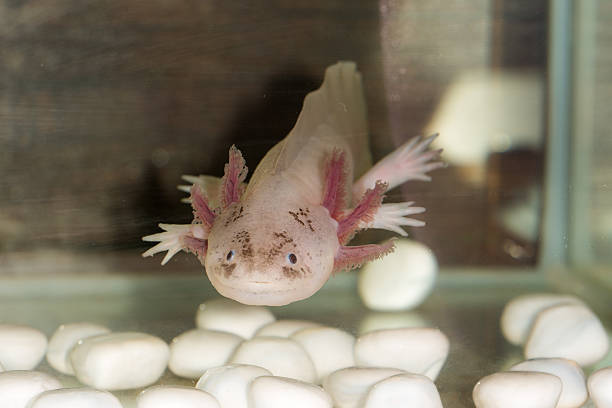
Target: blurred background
x,y
104,105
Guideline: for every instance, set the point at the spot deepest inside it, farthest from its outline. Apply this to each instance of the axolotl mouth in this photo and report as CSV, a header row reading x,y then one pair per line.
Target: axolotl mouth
x,y
261,292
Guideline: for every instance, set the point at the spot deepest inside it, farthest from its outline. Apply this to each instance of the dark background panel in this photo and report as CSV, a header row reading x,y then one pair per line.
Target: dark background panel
x,y
103,105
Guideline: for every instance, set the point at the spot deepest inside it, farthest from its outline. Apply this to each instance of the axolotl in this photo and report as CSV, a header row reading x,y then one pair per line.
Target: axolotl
x,y
280,237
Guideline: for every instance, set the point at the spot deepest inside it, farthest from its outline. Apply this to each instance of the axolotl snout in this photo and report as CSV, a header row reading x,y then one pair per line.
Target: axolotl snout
x,y
279,238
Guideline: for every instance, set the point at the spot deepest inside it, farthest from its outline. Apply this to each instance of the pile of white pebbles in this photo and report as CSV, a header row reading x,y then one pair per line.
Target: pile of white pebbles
x,y
559,335
238,356
242,357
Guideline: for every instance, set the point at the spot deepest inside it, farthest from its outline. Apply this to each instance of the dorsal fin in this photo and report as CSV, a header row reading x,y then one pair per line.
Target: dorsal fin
x,y
335,115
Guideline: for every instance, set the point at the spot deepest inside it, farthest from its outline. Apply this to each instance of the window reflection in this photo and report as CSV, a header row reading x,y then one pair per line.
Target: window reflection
x,y
476,73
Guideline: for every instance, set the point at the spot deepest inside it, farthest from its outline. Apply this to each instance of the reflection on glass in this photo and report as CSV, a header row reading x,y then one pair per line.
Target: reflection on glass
x,y
475,72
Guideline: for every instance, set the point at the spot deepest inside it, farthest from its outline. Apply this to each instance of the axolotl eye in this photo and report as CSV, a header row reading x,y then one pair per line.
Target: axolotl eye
x,y
230,255
292,258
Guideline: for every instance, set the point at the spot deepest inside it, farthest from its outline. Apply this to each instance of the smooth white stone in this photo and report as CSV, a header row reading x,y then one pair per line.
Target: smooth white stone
x,y
349,386
1,368
281,392
165,396
282,357
403,390
600,387
233,317
195,351
519,314
400,280
18,387
119,361
514,389
391,320
21,347
330,349
416,350
64,338
574,392
230,383
285,328
75,398
569,331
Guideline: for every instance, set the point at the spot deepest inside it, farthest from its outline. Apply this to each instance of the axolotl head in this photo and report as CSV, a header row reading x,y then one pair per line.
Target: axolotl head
x,y
271,257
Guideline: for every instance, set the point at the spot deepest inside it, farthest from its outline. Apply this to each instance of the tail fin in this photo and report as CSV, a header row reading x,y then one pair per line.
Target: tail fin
x,y
340,104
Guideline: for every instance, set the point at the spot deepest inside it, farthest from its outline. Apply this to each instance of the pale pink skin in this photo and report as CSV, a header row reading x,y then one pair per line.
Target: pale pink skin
x,y
262,236
279,239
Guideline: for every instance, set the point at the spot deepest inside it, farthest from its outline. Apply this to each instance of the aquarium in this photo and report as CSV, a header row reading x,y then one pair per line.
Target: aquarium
x,y
106,106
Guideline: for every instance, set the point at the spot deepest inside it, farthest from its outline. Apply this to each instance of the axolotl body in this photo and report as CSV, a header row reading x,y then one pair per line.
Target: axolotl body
x,y
279,238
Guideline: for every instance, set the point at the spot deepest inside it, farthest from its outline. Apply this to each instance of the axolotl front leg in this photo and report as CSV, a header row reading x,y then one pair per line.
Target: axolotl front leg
x,y
410,161
194,237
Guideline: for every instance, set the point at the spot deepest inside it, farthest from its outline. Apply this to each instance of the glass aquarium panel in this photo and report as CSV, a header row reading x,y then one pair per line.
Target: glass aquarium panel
x,y
591,188
104,107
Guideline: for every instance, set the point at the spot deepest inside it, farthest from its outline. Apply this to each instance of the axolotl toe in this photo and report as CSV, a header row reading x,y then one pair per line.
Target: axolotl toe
x,y
280,237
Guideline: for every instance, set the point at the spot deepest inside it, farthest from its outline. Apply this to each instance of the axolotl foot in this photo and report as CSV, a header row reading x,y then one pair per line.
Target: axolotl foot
x,y
410,161
178,237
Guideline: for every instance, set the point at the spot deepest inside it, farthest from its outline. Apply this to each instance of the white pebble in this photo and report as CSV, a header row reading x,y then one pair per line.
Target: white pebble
x,y
349,386
75,398
401,280
229,384
519,314
574,391
18,387
21,347
600,387
230,316
283,357
195,351
391,320
281,392
516,389
569,331
416,350
119,361
330,349
64,338
285,328
403,390
165,396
